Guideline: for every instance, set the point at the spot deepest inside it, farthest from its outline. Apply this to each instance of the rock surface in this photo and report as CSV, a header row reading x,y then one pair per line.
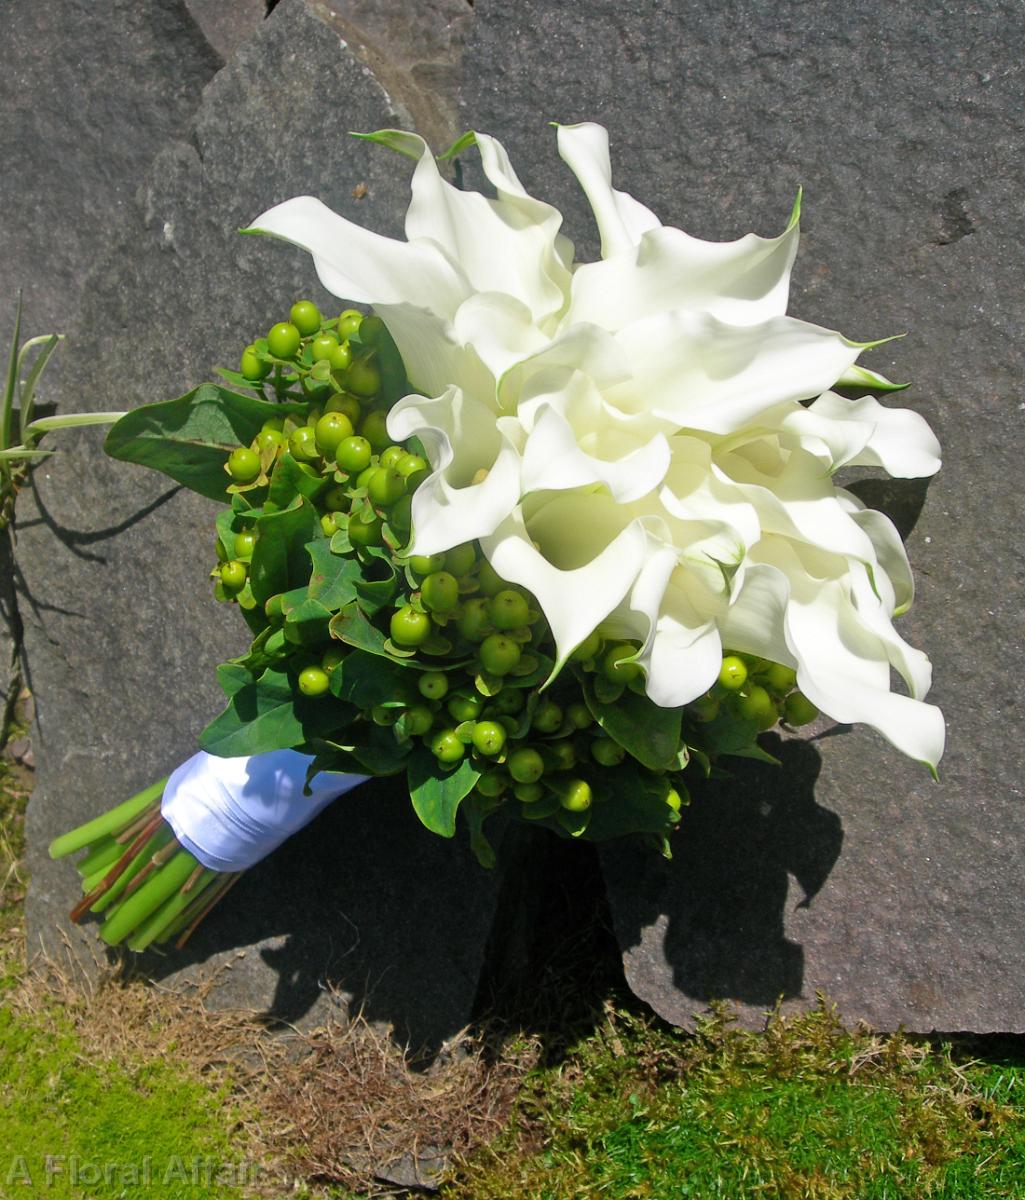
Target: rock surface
x,y
905,126
121,631
89,93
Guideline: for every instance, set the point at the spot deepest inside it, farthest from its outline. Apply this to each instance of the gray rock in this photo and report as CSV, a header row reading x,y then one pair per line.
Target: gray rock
x,y
121,631
905,127
89,92
228,24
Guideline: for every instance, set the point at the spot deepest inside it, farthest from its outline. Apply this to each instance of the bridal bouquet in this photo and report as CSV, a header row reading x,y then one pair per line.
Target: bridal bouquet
x,y
538,537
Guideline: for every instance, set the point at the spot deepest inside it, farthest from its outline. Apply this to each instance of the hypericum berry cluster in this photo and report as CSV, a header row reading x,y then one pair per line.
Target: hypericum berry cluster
x,y
474,651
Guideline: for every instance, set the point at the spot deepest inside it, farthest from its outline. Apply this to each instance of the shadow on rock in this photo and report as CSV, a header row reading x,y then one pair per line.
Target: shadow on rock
x,y
364,902
709,924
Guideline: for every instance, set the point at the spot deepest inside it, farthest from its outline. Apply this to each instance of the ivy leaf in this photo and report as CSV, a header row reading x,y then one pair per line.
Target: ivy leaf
x,y
191,437
436,795
650,733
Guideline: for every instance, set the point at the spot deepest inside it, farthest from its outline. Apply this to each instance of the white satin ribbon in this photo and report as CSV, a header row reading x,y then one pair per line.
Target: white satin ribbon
x,y
232,812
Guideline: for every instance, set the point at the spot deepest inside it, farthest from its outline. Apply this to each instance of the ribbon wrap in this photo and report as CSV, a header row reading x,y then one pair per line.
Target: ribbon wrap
x,y
232,812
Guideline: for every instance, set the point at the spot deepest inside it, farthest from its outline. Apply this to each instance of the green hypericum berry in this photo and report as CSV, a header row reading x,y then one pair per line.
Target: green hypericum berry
x,y
580,715
607,752
336,499
528,793
588,648
446,746
343,403
576,796
233,575
391,455
755,704
561,755
375,429
465,708
333,657
440,592
372,330
353,453
283,340
548,717
491,583
705,708
349,322
331,430
386,486
409,627
275,423
426,564
313,681
340,358
363,378
323,346
733,673
366,533
410,465
384,715
244,465
460,559
419,719
302,444
474,621
525,765
433,685
613,664
268,439
778,678
799,710
252,365
329,524
508,609
492,784
489,737
305,316
509,701
245,544
499,654
363,478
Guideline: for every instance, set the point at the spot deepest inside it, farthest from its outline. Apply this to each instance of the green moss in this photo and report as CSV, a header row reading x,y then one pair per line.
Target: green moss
x,y
101,1126
805,1110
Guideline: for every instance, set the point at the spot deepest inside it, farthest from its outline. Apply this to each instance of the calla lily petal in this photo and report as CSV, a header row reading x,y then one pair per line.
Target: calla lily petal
x,y
621,219
359,265
745,282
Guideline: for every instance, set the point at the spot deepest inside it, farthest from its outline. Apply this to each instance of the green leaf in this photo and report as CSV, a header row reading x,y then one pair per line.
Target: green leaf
x,y
10,384
626,802
476,809
436,794
307,621
351,626
233,677
378,593
190,438
280,559
269,715
333,578
650,733
364,680
292,478
729,734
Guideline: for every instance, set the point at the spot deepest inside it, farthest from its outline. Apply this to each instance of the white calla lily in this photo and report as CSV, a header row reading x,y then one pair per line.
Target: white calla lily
x,y
648,443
